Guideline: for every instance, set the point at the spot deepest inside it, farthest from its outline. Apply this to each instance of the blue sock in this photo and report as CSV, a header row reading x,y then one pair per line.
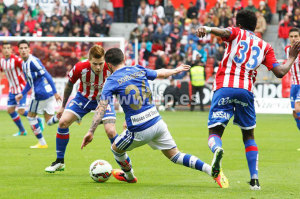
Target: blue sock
x,y
25,113
188,161
62,139
298,120
252,158
113,139
16,118
214,141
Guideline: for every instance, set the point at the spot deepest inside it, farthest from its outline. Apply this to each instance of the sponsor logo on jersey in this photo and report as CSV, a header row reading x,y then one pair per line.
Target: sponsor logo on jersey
x,y
226,100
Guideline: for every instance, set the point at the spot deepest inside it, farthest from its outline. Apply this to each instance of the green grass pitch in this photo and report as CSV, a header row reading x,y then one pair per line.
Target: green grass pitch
x,y
22,169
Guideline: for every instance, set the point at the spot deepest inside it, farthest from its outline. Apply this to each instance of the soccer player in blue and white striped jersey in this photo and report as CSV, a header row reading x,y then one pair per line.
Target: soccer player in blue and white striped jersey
x,y
43,94
145,125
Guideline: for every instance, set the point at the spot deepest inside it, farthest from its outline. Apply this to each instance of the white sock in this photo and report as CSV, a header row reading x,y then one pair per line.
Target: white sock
x,y
207,169
42,141
53,120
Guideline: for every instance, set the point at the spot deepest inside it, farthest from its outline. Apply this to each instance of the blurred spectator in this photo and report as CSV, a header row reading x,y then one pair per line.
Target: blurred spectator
x,y
15,7
71,60
35,11
160,61
283,31
135,33
4,31
95,8
61,32
192,35
144,9
118,6
169,46
82,9
266,11
212,48
140,24
144,52
219,55
30,23
296,18
198,77
38,31
26,9
169,11
157,46
200,53
71,8
181,11
107,20
159,34
281,8
66,24
159,9
175,36
17,26
99,28
192,12
25,32
78,19
223,20
191,44
57,9
3,8
171,95
261,24
250,6
237,6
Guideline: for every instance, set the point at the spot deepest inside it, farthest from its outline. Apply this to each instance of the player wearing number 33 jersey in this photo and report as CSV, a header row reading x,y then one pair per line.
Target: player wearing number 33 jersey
x,y
233,86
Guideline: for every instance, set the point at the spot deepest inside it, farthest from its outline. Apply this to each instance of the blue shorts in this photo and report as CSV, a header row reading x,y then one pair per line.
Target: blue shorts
x,y
12,101
80,106
295,95
227,102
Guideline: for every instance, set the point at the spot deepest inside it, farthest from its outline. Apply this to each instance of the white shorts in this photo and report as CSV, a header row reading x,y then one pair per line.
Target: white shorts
x,y
156,136
41,106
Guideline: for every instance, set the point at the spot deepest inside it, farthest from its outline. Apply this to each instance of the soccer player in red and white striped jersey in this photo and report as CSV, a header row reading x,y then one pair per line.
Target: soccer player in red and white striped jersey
x,y
233,86
294,35
92,74
11,66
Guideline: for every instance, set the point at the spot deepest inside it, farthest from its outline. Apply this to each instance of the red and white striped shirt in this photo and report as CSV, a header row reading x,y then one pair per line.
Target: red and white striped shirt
x,y
243,55
90,84
12,67
295,69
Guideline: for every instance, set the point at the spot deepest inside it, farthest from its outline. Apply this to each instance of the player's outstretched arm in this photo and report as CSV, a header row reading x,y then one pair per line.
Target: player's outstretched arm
x,y
164,73
221,32
100,111
283,69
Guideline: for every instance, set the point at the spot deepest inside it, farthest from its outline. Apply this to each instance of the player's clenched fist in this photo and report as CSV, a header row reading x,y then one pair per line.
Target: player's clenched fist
x,y
18,97
202,31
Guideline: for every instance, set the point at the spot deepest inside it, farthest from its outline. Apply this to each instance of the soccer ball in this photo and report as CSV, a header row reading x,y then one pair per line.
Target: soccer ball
x,y
161,108
100,170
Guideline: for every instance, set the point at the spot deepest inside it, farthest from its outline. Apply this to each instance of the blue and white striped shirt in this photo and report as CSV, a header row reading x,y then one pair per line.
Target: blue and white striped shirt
x,y
38,79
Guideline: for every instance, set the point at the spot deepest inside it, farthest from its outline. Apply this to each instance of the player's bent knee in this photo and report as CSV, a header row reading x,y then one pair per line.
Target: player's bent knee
x,y
64,124
21,111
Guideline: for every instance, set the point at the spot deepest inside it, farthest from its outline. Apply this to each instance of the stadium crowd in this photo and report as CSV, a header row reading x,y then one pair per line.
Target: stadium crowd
x,y
166,35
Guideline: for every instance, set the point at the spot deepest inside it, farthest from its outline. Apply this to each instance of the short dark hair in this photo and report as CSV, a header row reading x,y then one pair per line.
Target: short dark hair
x,y
294,29
246,19
5,43
23,42
114,56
